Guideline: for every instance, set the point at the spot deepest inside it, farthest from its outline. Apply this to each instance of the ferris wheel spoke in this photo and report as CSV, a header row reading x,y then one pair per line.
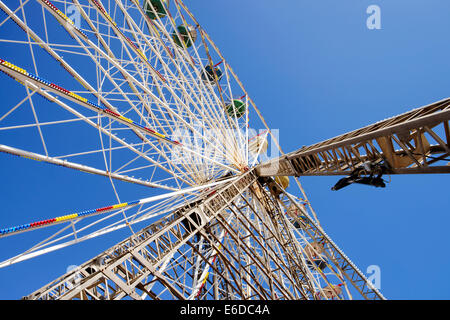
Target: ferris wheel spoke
x,y
164,203
76,166
48,123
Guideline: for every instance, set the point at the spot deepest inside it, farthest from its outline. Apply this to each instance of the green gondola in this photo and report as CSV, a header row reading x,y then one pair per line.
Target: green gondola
x,y
158,5
236,108
184,32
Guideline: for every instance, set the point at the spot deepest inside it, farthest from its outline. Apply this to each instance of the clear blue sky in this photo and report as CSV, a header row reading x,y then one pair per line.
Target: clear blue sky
x,y
315,71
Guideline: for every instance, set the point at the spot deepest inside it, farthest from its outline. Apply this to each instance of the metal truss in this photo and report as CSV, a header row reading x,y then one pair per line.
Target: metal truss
x,y
236,242
414,142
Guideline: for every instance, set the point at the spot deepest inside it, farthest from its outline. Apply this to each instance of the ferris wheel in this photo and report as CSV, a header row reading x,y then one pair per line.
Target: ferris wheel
x,y
137,94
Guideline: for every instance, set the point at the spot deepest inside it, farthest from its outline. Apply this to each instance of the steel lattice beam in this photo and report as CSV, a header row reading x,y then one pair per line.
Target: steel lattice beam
x,y
259,258
417,141
120,271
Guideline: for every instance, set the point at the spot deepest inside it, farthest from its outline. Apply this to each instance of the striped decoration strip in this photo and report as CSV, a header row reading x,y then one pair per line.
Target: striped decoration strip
x,y
68,217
